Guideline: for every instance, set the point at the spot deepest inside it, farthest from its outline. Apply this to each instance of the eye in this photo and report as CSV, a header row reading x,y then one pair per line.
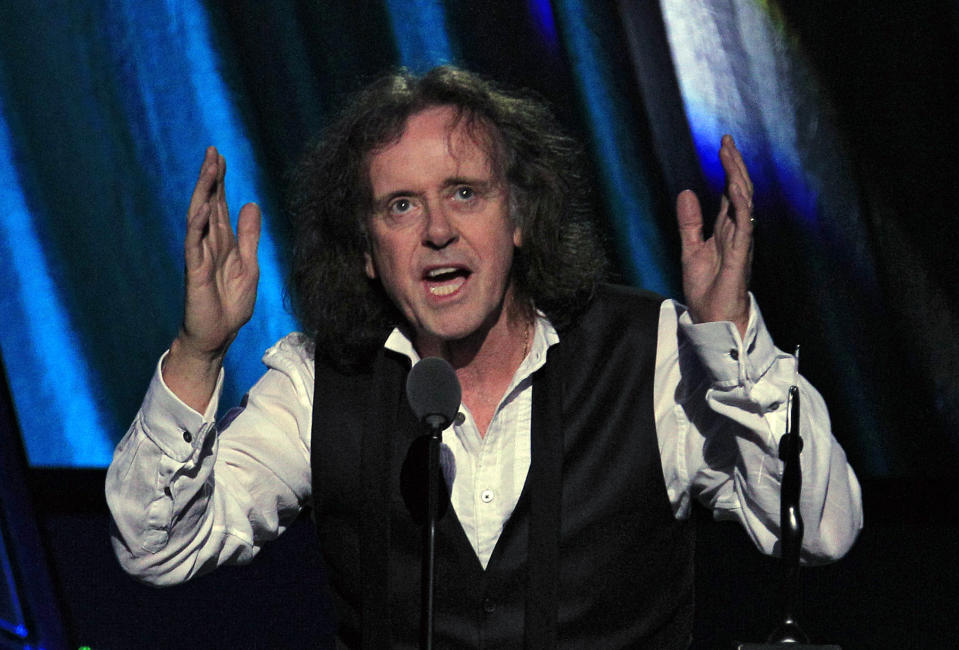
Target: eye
x,y
464,193
400,206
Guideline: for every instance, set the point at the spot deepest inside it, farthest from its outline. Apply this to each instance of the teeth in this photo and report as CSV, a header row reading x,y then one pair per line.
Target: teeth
x,y
448,288
435,272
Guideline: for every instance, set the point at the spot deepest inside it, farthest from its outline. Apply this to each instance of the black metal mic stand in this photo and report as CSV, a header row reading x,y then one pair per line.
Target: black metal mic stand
x,y
791,526
436,424
788,634
434,394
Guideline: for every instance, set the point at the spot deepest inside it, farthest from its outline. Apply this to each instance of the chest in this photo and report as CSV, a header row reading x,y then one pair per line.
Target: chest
x,y
486,474
482,404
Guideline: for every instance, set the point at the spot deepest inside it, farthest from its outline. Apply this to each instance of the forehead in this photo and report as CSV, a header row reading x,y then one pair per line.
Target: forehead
x,y
436,144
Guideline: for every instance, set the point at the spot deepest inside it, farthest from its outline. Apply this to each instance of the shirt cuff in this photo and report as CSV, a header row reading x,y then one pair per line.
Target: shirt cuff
x,y
174,427
730,359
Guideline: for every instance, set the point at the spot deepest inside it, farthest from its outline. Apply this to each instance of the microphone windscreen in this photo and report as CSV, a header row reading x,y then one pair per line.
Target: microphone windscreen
x,y
433,390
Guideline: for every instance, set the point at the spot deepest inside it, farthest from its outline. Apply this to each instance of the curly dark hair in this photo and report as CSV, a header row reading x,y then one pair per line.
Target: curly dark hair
x,y
557,267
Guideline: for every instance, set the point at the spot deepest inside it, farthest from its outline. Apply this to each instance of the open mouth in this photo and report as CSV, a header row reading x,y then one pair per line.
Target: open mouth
x,y
445,280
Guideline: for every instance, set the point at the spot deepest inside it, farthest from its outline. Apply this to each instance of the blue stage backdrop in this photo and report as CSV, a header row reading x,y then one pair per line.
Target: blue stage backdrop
x,y
106,108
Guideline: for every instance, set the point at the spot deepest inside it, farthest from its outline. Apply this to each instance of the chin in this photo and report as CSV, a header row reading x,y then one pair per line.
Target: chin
x,y
451,328
450,332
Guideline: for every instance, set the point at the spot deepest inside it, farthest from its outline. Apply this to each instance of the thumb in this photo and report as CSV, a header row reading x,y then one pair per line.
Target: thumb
x,y
248,232
689,217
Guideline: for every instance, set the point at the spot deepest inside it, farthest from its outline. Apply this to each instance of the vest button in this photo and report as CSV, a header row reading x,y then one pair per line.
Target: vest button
x,y
489,606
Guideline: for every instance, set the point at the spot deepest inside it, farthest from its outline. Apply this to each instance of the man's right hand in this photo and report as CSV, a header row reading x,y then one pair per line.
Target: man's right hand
x,y
221,278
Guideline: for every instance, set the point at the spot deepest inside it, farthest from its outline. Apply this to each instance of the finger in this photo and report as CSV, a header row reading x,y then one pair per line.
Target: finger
x,y
193,242
248,234
744,170
741,201
689,217
205,181
734,165
722,217
738,194
743,211
224,227
221,231
221,176
734,218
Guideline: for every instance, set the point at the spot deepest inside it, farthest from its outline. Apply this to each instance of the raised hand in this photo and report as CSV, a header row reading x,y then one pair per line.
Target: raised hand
x,y
716,270
221,280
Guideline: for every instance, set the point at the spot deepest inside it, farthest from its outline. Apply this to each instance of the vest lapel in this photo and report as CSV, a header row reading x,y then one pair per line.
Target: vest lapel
x,y
382,422
545,484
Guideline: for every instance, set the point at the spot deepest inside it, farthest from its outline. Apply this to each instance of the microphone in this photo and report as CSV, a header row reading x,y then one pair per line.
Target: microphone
x,y
433,392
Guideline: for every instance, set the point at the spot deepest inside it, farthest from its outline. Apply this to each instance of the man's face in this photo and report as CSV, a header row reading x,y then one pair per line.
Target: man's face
x,y
441,236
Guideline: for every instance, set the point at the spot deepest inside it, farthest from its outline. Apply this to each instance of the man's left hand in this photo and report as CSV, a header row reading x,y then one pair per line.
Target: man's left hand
x,y
716,270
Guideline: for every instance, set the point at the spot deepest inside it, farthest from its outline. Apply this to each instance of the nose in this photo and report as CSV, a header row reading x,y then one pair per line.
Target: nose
x,y
440,231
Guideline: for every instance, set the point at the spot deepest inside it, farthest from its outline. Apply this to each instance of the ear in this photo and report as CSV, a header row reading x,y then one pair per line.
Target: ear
x,y
368,266
517,237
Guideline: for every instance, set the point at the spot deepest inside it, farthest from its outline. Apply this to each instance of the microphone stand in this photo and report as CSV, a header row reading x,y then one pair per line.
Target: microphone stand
x,y
434,394
791,526
436,424
787,632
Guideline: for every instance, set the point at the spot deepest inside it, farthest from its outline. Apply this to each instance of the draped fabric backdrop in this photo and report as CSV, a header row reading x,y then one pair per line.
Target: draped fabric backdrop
x,y
106,107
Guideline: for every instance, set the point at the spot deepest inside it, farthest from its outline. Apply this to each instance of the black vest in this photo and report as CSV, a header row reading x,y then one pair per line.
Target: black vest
x,y
592,555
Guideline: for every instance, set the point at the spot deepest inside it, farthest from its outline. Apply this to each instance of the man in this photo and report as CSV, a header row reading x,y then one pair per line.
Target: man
x,y
441,216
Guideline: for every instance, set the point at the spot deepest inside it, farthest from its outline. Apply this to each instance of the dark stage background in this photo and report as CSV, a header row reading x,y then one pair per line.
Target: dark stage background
x,y
843,110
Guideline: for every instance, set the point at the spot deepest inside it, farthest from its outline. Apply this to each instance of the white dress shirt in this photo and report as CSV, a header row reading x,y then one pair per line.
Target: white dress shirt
x,y
188,494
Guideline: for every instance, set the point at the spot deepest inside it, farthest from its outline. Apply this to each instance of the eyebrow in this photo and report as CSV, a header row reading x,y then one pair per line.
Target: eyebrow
x,y
482,186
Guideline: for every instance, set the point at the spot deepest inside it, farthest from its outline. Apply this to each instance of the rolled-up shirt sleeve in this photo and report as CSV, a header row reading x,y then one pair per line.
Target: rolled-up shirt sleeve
x,y
731,463
188,494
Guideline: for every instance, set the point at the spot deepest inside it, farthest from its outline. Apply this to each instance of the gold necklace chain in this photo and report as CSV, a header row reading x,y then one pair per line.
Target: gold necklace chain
x,y
526,339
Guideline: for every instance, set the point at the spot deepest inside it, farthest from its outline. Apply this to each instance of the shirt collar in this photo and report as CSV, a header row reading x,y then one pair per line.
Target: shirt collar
x,y
544,337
